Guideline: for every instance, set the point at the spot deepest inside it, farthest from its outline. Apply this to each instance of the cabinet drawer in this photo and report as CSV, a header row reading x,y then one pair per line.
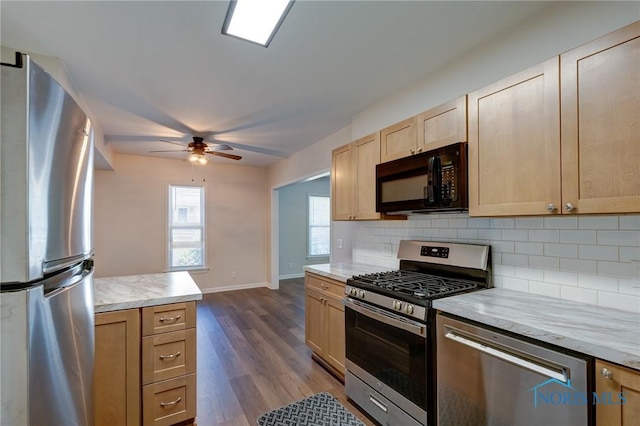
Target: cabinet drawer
x,y
335,288
169,402
165,318
168,355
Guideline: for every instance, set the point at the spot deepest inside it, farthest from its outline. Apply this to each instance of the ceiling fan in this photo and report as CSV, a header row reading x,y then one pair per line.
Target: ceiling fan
x,y
198,149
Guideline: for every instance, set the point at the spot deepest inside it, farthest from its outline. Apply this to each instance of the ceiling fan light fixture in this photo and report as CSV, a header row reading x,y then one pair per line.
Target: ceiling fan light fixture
x,y
256,21
197,159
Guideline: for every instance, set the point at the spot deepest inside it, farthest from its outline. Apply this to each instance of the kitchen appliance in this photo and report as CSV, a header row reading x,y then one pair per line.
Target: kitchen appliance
x,y
486,377
389,327
433,181
46,274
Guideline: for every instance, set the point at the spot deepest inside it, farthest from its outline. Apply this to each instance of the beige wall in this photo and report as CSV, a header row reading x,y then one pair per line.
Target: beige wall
x,y
130,221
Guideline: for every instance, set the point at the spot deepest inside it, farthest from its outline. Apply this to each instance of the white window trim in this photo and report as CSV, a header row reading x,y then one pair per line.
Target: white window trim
x,y
202,227
309,255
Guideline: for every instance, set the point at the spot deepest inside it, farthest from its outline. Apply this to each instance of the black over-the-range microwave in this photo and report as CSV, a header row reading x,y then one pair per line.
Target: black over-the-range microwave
x,y
433,181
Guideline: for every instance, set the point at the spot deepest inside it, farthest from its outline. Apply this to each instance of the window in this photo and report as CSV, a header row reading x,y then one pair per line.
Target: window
x,y
186,228
319,221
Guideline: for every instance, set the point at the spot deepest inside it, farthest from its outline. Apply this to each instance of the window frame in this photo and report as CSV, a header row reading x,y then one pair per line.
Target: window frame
x,y
171,227
310,226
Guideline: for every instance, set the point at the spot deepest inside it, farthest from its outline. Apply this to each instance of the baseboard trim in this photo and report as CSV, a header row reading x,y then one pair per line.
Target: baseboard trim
x,y
286,277
234,287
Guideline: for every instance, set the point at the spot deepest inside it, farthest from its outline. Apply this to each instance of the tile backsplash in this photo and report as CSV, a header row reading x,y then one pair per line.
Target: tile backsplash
x,y
593,259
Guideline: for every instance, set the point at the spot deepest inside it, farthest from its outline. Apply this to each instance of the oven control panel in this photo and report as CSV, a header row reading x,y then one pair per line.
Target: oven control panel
x,y
430,251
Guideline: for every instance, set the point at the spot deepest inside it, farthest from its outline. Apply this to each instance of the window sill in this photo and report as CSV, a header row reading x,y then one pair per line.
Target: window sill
x,y
192,271
318,258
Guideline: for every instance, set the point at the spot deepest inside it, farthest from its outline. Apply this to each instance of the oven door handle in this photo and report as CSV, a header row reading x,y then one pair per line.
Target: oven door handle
x,y
387,318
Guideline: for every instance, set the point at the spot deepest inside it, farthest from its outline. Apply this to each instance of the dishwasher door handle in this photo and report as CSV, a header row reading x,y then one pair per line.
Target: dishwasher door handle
x,y
529,364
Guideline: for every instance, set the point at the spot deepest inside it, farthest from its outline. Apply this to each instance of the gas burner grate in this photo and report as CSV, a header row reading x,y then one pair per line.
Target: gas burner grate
x,y
416,284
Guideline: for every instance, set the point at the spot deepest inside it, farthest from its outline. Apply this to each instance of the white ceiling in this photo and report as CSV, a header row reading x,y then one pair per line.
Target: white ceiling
x,y
154,70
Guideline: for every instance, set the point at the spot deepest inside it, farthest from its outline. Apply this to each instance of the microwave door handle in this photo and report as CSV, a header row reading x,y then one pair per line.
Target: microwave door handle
x,y
433,180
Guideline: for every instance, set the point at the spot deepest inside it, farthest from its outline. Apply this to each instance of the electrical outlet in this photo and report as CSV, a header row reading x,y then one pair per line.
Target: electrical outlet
x,y
339,243
233,274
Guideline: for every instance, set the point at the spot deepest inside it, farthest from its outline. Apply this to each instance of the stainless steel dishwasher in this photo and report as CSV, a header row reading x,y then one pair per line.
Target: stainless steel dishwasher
x,y
486,377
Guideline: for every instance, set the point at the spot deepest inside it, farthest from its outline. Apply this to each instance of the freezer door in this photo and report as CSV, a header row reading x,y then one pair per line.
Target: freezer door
x,y
488,378
61,352
47,176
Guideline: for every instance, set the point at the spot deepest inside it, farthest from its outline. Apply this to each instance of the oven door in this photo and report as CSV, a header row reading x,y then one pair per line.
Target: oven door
x,y
388,352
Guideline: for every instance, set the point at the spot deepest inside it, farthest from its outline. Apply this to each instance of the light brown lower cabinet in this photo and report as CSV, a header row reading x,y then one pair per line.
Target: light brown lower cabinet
x,y
145,371
619,391
324,321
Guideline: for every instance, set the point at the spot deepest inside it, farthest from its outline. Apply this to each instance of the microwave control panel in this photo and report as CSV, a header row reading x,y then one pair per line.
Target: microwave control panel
x,y
449,183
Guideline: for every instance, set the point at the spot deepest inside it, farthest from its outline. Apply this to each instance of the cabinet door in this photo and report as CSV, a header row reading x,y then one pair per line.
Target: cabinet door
x,y
117,368
443,125
335,334
601,124
611,381
366,154
399,140
314,321
514,144
341,184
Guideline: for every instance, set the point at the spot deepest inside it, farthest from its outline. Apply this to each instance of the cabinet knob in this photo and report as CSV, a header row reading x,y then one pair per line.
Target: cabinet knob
x,y
413,151
419,150
606,373
570,207
551,207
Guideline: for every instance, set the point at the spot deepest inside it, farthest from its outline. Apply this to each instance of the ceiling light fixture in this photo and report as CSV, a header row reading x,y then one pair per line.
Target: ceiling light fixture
x,y
255,20
198,159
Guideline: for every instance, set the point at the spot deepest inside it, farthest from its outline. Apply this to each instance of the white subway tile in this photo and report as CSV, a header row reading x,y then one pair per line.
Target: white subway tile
x,y
530,274
496,258
598,252
504,270
579,237
598,222
469,234
402,232
544,289
502,223
619,269
515,234
515,259
423,223
561,223
430,232
578,265
457,223
497,281
619,301
440,223
629,286
628,254
619,238
630,222
529,248
448,233
562,278
579,295
490,234
561,250
515,284
596,282
529,222
544,262
544,236
475,222
503,246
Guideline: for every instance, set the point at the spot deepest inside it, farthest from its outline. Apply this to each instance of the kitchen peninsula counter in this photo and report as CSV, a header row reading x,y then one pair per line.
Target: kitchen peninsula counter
x,y
609,334
137,291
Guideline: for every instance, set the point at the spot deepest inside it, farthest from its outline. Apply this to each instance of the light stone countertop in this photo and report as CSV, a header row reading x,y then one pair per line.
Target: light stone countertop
x,y
135,291
344,271
609,334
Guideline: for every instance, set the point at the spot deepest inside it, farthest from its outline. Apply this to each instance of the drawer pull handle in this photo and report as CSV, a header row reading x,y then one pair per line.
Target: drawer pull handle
x,y
170,319
170,404
163,357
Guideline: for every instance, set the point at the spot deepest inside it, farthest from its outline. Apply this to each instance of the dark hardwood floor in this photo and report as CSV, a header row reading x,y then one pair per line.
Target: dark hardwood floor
x,y
252,357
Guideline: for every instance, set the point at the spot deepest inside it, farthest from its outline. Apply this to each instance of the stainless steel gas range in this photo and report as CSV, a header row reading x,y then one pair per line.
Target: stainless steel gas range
x,y
390,327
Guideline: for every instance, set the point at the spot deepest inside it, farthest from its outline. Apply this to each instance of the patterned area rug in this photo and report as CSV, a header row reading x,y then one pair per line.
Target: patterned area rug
x,y
321,409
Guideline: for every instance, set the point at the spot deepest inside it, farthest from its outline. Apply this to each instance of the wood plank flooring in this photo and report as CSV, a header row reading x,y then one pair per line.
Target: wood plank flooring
x,y
252,357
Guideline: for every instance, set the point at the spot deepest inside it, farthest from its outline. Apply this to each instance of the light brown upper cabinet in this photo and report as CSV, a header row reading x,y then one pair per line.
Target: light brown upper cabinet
x,y
353,179
514,144
399,140
600,98
443,125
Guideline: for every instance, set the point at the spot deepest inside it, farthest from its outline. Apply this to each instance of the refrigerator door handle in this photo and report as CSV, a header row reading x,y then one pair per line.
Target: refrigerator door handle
x,y
529,364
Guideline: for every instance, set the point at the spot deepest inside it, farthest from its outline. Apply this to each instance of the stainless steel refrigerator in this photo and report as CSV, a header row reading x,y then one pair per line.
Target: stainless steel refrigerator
x,y
46,270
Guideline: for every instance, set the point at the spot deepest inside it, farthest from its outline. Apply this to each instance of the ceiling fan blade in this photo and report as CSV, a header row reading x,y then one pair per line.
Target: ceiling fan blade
x,y
174,150
222,154
174,143
219,147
